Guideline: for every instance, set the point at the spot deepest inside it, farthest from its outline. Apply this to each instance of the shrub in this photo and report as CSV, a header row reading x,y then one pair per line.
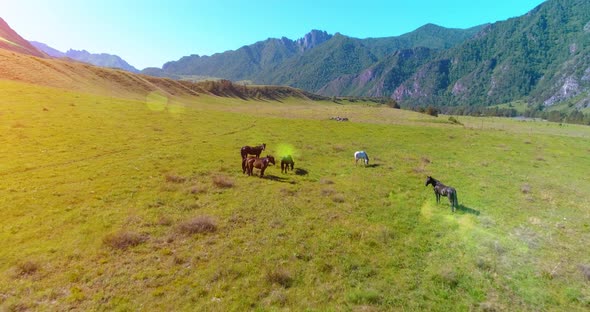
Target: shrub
x,y
432,111
123,239
222,181
202,224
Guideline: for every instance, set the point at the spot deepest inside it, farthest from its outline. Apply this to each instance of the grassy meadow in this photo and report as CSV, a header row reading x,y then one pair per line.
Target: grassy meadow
x,y
117,204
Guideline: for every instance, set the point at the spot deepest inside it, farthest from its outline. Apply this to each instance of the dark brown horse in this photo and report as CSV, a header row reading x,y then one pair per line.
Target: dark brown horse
x,y
249,150
286,162
441,189
259,163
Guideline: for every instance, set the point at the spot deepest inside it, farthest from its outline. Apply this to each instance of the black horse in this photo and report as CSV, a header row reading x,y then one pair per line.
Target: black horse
x,y
249,150
441,189
259,163
286,162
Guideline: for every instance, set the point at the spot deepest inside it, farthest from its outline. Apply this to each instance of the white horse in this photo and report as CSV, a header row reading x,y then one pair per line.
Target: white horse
x,y
361,155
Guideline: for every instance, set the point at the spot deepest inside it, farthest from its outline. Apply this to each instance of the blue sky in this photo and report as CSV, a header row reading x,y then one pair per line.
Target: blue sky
x,y
150,33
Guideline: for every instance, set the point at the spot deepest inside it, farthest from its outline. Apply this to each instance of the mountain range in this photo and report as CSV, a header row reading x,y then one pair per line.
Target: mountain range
x,y
98,59
541,57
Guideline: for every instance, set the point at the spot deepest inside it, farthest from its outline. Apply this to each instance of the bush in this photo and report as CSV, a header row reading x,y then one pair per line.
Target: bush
x,y
432,111
202,224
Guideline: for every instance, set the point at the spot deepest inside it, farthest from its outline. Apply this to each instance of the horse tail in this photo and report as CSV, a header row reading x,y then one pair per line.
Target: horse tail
x,y
455,199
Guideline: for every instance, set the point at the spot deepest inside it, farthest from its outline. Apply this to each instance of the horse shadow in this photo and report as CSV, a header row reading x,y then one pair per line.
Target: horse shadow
x,y
373,165
469,210
278,179
301,172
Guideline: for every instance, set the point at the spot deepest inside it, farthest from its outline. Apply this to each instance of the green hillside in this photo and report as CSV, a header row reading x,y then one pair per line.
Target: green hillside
x,y
116,204
539,57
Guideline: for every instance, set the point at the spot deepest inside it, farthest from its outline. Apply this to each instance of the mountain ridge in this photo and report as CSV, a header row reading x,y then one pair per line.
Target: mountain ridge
x,y
98,59
12,41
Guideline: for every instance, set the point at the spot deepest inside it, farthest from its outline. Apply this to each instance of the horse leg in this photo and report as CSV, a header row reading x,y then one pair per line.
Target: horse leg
x,y
262,172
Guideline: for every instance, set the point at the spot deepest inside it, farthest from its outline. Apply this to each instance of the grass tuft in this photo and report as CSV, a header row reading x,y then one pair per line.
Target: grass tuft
x,y
173,178
27,268
222,181
281,277
338,198
123,239
326,181
202,224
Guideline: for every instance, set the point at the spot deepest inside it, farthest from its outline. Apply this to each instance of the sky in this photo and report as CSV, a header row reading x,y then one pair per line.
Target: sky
x,y
149,33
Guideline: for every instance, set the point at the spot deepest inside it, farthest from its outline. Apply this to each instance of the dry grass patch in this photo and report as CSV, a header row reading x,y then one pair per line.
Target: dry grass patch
x,y
326,181
202,224
338,198
585,269
338,148
173,178
27,268
124,239
327,192
281,277
525,188
222,181
197,189
164,221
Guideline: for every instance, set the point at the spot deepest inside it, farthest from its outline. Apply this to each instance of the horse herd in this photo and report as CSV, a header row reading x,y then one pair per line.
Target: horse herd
x,y
255,161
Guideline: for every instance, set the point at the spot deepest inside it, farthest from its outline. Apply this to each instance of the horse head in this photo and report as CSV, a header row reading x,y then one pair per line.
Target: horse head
x,y
430,180
271,159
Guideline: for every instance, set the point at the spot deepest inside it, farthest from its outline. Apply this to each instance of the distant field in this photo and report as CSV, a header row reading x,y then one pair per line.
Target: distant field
x,y
115,204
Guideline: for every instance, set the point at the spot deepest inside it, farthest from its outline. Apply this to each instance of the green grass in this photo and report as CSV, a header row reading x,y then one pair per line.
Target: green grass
x,y
519,106
103,201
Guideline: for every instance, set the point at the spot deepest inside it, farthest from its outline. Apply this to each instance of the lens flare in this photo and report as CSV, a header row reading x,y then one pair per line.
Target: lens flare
x,y
284,149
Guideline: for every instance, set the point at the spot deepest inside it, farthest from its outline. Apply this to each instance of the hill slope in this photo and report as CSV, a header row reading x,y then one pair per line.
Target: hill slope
x,y
12,41
75,76
541,56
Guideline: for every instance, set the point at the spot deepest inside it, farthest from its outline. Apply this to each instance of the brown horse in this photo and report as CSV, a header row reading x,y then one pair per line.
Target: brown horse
x,y
259,163
286,162
249,150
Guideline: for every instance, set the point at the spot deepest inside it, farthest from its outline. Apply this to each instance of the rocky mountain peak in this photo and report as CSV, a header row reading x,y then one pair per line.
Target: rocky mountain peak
x,y
312,39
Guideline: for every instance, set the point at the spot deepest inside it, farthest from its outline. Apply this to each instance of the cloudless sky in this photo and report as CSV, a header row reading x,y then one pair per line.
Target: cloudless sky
x,y
151,32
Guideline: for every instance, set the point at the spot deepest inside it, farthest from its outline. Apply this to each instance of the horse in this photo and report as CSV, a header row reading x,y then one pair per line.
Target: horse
x,y
361,155
249,150
259,163
286,162
441,189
